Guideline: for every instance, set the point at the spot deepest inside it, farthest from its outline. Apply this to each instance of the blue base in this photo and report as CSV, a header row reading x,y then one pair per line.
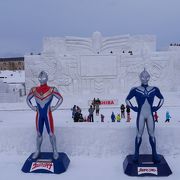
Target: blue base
x,y
46,164
145,166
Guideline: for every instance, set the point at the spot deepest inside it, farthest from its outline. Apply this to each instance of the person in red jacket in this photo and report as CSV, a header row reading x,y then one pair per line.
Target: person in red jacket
x,y
156,117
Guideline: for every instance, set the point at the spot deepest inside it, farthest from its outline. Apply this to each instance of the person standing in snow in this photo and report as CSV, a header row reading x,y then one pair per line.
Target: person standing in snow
x,y
128,110
102,118
168,117
73,111
122,108
93,103
113,117
156,117
91,113
97,104
118,118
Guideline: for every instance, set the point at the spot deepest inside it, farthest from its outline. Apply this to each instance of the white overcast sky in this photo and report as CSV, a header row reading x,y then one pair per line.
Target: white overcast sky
x,y
24,23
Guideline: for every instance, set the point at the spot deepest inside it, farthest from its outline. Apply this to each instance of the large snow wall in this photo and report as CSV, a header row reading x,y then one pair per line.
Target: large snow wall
x,y
89,140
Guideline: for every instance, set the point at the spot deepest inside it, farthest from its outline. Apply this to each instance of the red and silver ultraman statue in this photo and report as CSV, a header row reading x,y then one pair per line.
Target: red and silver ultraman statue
x,y
43,96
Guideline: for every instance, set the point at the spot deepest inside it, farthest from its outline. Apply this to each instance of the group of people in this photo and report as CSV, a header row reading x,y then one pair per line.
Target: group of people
x,y
95,106
126,108
121,115
175,44
115,118
168,116
77,114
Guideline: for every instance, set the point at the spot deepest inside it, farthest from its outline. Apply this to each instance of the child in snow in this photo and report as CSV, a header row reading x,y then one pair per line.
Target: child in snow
x,y
102,118
113,117
118,118
168,117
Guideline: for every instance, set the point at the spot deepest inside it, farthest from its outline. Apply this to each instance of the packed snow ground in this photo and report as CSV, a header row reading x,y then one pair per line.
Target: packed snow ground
x,y
96,150
81,167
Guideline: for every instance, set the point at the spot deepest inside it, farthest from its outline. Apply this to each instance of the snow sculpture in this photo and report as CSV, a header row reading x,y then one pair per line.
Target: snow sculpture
x,y
114,61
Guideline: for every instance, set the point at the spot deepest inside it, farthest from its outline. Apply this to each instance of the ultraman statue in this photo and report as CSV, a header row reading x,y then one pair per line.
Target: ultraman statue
x,y
43,96
144,96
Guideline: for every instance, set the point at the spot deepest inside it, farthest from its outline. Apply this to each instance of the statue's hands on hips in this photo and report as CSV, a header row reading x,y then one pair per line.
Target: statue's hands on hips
x,y
155,108
53,108
34,108
134,108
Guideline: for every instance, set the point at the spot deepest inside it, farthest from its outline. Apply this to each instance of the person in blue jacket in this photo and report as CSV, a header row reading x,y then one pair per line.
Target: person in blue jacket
x,y
113,117
144,96
168,117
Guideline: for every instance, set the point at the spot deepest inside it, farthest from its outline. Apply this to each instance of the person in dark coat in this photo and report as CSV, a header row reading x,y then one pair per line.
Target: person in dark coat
x,y
156,117
78,117
102,118
128,110
97,104
73,111
91,113
113,117
122,108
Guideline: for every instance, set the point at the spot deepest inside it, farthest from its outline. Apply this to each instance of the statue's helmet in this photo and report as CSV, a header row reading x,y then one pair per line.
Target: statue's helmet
x,y
144,77
43,77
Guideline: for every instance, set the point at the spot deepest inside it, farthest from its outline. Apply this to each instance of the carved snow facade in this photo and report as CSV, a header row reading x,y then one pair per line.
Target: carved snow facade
x,y
103,65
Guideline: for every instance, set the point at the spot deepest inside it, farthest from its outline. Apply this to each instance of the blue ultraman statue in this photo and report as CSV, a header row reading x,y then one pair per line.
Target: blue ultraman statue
x,y
144,96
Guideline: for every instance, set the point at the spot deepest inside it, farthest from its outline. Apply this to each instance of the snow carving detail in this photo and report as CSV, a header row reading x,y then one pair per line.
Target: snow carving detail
x,y
101,65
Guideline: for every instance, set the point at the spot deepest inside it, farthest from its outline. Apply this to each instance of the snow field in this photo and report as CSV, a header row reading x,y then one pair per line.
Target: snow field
x,y
18,134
